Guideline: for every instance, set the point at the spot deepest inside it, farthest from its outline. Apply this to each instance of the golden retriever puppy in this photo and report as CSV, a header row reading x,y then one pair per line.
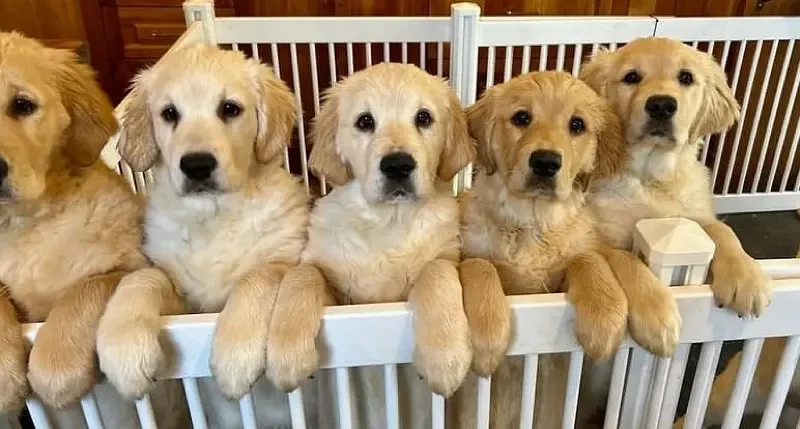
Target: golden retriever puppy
x,y
390,137
68,225
542,137
224,224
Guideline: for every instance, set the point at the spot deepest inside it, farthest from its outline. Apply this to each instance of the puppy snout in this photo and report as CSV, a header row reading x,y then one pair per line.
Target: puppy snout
x,y
545,163
198,166
397,166
3,170
661,106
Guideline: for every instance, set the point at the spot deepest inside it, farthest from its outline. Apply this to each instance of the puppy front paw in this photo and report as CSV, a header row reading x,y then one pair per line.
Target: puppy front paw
x,y
655,322
443,358
130,355
61,367
292,354
599,330
13,383
740,284
238,358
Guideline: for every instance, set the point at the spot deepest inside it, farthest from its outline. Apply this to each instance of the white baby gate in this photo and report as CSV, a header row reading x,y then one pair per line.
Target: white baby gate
x,y
466,48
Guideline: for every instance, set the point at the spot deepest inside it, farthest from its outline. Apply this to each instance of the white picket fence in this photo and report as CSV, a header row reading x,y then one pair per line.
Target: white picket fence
x,y
475,52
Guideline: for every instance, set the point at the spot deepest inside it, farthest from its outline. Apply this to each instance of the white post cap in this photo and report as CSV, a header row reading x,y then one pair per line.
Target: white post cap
x,y
673,242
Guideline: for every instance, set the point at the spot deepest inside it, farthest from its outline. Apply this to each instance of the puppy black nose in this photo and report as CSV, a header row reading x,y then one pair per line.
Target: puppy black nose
x,y
545,163
198,165
3,170
398,166
661,106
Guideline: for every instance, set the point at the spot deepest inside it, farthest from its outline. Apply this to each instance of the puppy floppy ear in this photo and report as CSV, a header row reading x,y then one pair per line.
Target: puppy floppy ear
x,y
597,72
277,115
92,120
720,109
137,141
610,153
325,159
481,127
459,150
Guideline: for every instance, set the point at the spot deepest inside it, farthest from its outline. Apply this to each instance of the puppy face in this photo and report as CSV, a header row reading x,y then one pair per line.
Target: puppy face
x,y
543,132
666,92
394,128
209,116
50,107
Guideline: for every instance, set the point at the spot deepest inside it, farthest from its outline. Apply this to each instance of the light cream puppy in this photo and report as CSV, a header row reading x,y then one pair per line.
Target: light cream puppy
x,y
68,225
224,224
390,137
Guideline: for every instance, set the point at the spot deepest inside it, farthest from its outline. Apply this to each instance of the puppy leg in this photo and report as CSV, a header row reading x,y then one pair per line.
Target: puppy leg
x,y
62,364
239,350
442,354
127,337
600,305
654,320
487,313
13,355
738,282
291,345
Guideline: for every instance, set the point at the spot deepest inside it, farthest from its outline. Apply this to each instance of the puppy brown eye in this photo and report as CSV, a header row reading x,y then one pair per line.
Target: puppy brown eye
x,y
170,114
576,125
229,109
21,106
685,77
632,78
521,119
423,119
365,123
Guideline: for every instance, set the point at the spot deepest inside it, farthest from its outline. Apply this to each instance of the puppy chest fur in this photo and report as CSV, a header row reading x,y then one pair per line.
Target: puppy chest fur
x,y
207,243
373,253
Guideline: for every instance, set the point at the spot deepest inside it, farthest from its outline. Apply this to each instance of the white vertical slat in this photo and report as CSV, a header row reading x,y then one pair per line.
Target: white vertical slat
x,y
772,114
543,58
276,66
296,409
529,373
38,413
695,43
390,393
343,399
701,387
740,127
141,183
490,68
741,388
787,118
404,52
573,389
368,52
659,387
704,155
640,374
422,56
561,53
439,59
612,46
526,59
577,57
736,74
196,411
349,59
781,383
617,388
91,412
312,50
757,119
254,48
386,54
483,406
248,411
437,411
235,46
595,48
677,369
301,128
144,409
509,65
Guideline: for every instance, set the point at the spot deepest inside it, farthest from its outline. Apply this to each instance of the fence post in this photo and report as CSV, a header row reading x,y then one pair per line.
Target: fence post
x,y
678,252
202,11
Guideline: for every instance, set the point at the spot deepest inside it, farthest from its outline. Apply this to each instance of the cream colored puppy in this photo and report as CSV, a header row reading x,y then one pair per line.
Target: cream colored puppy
x,y
390,137
68,225
224,224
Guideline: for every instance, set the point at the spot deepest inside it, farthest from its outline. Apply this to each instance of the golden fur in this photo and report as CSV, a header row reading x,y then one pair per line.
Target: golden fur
x,y
526,235
224,247
68,225
373,246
